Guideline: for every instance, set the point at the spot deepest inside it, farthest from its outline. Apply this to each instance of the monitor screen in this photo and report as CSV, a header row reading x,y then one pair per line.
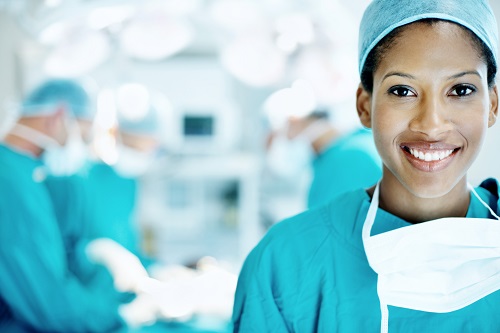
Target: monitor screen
x,y
198,125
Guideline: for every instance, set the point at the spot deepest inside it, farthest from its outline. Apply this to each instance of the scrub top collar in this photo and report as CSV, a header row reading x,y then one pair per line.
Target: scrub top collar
x,y
385,221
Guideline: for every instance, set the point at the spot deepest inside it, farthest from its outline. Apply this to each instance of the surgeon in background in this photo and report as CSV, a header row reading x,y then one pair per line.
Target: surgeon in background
x,y
64,182
113,182
38,288
342,160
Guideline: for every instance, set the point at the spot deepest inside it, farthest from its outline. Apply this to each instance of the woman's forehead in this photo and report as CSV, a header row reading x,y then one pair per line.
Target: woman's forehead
x,y
440,48
431,30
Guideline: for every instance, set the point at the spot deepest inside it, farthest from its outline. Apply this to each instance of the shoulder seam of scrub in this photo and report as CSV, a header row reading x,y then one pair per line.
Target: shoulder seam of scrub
x,y
326,213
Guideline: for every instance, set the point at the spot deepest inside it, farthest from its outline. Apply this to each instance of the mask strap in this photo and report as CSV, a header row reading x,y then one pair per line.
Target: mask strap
x,y
384,321
482,201
372,212
33,136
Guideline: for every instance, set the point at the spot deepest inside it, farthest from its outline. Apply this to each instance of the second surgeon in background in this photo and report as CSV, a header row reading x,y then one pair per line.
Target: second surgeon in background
x,y
341,160
113,185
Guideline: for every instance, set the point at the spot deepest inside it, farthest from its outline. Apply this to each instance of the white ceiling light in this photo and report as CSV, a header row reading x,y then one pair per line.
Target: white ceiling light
x,y
52,3
55,32
297,101
297,26
239,16
103,17
332,73
154,36
254,60
179,7
77,54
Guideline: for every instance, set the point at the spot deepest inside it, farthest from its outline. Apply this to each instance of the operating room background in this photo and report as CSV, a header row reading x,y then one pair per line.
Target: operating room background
x,y
212,64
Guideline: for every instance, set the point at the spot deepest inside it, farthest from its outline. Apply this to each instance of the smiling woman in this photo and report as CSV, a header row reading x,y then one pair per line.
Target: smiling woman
x,y
429,113
423,244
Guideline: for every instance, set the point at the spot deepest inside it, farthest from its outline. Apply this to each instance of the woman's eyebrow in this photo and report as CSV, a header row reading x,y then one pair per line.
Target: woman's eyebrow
x,y
456,76
408,76
411,77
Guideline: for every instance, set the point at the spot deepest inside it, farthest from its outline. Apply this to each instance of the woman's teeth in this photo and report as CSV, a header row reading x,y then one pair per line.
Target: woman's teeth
x,y
431,156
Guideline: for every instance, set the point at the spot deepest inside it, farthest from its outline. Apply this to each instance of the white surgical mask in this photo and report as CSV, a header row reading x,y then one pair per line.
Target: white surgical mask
x,y
437,266
60,160
131,162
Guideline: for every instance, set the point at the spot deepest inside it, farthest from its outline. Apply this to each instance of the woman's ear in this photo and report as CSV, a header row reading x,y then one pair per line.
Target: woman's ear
x,y
363,105
492,117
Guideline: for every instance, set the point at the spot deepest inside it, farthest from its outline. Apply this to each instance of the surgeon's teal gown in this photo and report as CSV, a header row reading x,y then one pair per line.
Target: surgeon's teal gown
x,y
98,202
310,274
37,286
113,206
350,162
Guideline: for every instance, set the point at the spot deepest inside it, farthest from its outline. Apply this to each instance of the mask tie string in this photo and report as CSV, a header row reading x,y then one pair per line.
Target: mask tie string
x,y
482,201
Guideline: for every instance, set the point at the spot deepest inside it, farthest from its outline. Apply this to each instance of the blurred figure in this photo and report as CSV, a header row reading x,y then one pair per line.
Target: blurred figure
x,y
113,184
181,293
341,161
38,286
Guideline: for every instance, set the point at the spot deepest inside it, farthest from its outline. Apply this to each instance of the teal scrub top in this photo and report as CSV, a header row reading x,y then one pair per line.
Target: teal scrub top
x,y
349,163
70,201
37,289
310,274
113,205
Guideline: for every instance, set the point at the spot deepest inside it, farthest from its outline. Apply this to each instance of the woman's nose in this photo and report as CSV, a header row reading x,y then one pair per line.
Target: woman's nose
x,y
431,118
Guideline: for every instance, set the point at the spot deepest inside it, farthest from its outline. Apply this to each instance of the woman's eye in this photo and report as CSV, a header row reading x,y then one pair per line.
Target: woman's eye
x,y
401,92
462,90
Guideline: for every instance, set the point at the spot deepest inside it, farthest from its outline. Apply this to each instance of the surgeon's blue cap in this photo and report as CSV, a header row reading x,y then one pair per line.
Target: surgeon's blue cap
x,y
383,16
49,94
147,125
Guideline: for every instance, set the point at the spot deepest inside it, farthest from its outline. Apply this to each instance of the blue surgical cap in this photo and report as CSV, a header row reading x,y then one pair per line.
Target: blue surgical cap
x,y
383,16
147,124
51,93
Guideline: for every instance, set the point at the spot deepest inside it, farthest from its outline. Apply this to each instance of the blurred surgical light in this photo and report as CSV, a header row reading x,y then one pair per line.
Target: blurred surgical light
x,y
254,60
78,53
286,43
52,3
297,101
133,101
297,27
331,72
103,17
180,7
154,36
238,16
55,32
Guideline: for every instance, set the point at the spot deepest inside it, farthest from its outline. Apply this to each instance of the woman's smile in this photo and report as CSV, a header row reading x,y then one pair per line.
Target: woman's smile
x,y
429,157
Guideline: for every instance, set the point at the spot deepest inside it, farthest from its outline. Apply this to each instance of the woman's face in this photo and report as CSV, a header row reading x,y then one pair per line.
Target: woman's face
x,y
430,108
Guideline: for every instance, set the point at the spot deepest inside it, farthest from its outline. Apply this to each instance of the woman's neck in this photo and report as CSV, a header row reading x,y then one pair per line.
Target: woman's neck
x,y
398,200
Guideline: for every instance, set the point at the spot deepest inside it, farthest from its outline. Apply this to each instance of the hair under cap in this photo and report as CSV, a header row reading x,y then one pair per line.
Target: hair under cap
x,y
383,16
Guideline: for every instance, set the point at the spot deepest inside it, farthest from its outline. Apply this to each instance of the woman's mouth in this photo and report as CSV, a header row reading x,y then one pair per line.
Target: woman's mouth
x,y
429,157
